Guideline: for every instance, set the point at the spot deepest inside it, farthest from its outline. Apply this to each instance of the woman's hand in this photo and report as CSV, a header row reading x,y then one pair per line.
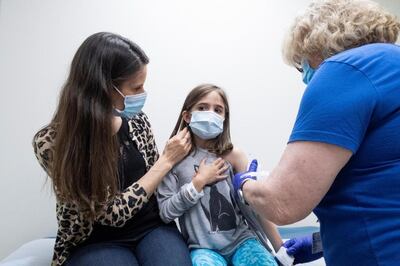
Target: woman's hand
x,y
175,150
209,173
240,178
177,147
302,248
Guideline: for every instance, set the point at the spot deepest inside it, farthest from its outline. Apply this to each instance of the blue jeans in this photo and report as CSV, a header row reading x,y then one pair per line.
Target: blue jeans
x,y
162,246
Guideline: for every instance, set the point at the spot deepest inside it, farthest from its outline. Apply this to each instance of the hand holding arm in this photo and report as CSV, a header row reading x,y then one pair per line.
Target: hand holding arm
x,y
293,189
240,178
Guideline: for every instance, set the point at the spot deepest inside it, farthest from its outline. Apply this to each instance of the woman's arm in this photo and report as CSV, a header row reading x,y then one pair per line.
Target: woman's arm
x,y
295,187
43,146
126,204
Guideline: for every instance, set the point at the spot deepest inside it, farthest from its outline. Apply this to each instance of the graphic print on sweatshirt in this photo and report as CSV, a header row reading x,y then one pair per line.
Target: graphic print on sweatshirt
x,y
218,207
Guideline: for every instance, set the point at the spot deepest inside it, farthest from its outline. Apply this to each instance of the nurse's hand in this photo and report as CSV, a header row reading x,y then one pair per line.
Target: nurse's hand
x,y
301,249
240,178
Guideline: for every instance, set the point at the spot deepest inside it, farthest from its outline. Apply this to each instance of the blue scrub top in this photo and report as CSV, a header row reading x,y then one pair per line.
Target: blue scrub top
x,y
353,101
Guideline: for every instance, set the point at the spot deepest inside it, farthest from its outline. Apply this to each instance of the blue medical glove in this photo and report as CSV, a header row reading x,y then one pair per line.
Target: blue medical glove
x,y
301,248
240,178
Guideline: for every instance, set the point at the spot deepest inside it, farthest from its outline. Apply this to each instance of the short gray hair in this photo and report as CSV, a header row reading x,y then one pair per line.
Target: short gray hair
x,y
332,26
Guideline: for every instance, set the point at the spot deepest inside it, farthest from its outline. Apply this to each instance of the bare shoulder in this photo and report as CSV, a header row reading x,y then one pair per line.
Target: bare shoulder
x,y
237,158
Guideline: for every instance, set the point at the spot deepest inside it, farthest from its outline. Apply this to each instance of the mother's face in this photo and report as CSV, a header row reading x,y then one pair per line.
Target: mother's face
x,y
133,85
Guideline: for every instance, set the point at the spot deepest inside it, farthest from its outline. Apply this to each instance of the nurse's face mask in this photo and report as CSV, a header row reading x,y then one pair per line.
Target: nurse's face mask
x,y
307,72
206,124
133,104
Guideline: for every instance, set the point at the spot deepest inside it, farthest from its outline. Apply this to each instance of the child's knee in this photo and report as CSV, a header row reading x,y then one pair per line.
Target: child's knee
x,y
207,257
252,252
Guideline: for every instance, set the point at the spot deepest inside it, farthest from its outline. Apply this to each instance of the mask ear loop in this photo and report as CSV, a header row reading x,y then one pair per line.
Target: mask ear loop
x,y
115,87
180,124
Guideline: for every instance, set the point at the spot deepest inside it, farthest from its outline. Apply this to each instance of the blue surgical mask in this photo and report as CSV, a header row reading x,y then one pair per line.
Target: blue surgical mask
x,y
206,124
308,71
133,103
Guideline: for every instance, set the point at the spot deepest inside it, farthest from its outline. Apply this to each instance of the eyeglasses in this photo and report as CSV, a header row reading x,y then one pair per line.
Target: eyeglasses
x,y
300,69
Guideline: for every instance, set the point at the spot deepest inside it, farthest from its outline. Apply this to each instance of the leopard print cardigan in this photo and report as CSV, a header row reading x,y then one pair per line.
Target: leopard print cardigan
x,y
73,227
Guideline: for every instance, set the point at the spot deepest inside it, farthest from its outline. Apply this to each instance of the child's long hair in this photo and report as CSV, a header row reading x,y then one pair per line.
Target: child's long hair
x,y
221,144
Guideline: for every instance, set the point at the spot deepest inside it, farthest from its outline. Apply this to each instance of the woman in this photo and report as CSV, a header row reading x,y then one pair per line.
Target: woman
x,y
100,153
343,156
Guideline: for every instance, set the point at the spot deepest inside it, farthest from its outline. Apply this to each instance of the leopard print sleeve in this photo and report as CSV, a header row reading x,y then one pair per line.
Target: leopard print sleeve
x,y
123,206
43,146
127,203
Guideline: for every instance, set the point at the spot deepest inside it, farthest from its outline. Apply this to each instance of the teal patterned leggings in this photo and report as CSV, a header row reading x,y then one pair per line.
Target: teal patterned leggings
x,y
250,252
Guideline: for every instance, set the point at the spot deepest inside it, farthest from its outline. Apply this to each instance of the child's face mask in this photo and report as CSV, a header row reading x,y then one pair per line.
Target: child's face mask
x,y
206,124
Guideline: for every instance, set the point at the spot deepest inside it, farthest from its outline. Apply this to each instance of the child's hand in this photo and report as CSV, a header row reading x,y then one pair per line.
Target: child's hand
x,y
209,173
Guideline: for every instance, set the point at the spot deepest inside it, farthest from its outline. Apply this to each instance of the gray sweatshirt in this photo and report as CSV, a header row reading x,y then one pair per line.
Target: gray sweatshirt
x,y
209,219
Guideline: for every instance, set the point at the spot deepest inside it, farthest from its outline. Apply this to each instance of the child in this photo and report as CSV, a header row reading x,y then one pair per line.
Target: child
x,y
197,190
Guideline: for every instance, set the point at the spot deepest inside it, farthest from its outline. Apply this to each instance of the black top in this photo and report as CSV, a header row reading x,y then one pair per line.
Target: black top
x,y
131,168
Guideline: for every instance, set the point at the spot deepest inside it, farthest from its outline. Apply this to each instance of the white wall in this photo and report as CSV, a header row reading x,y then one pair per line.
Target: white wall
x,y
235,44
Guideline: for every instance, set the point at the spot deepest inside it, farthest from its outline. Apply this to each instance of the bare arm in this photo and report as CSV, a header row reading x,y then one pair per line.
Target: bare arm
x,y
239,161
295,187
272,233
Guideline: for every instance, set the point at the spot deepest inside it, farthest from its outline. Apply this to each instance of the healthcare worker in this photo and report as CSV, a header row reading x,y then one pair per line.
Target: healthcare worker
x,y
343,155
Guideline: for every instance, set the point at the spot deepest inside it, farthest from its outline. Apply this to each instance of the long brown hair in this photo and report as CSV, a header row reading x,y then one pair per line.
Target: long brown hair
x,y
221,144
85,165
